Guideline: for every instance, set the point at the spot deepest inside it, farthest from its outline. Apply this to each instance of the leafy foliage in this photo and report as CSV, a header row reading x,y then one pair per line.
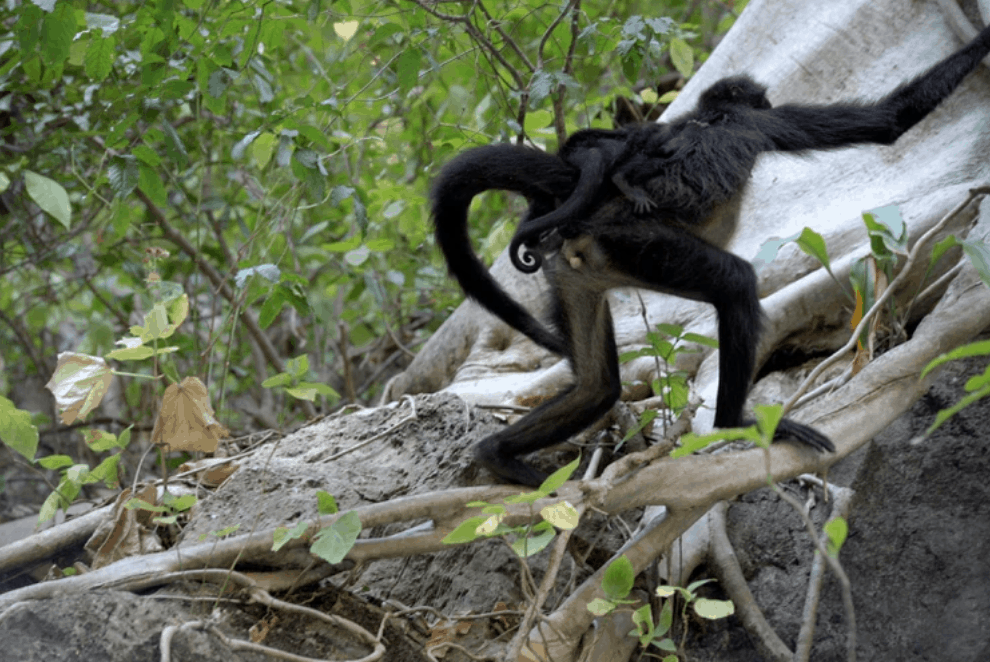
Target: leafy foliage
x,y
528,539
235,193
160,148
617,583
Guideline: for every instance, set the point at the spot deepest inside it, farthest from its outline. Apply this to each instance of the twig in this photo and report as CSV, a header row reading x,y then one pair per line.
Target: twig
x,y
834,566
841,502
260,596
549,579
411,417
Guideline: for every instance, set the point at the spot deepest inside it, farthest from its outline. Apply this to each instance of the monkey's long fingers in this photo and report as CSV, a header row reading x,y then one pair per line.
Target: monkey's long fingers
x,y
644,205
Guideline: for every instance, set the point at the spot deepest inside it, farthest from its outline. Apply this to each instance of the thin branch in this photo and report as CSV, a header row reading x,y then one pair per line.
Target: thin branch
x,y
221,285
841,503
834,566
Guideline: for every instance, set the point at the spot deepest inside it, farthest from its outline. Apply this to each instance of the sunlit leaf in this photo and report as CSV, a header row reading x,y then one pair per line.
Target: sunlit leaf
x,y
50,196
16,430
333,542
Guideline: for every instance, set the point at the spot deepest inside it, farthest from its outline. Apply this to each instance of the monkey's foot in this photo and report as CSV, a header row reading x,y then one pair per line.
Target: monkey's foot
x,y
509,469
788,429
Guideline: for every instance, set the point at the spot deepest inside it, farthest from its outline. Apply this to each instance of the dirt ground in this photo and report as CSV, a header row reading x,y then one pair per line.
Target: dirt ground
x,y
918,553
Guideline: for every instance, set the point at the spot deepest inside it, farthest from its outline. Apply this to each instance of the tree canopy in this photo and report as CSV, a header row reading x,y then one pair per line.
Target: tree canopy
x,y
270,162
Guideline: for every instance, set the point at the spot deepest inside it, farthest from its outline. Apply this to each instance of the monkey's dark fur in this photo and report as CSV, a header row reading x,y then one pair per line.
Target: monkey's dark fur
x,y
694,170
595,152
643,152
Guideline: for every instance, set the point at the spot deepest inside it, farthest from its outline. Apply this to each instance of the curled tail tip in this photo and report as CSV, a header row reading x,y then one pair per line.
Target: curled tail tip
x,y
526,261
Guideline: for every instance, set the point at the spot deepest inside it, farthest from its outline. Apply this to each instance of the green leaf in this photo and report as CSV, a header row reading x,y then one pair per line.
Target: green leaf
x,y
99,440
979,348
283,535
887,231
28,27
666,618
49,507
16,430
301,392
713,609
225,531
941,247
537,120
53,462
600,607
560,476
174,148
106,472
407,68
270,308
561,515
262,149
141,504
333,542
99,57
979,255
700,340
694,586
57,30
281,379
146,155
618,578
813,244
767,419
325,503
176,89
767,252
675,392
645,419
837,530
642,618
529,545
691,442
948,413
151,183
179,504
466,531
50,196
682,57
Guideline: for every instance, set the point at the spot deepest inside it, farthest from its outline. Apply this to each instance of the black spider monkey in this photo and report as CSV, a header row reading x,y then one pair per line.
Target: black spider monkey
x,y
695,175
643,152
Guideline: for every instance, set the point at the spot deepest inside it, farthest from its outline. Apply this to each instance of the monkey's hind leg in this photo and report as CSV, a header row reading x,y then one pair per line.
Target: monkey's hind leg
x,y
584,317
678,263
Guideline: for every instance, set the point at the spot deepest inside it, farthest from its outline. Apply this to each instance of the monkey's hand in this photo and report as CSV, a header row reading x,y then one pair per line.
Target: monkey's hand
x,y
642,202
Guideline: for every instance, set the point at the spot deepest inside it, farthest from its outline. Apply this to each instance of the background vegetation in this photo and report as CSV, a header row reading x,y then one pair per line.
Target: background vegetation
x,y
270,161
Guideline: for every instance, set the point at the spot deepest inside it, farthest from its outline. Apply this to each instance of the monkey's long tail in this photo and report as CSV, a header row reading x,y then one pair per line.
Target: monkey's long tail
x,y
530,172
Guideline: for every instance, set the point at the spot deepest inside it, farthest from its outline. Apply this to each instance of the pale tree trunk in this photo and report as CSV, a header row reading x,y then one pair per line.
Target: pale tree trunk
x,y
805,51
